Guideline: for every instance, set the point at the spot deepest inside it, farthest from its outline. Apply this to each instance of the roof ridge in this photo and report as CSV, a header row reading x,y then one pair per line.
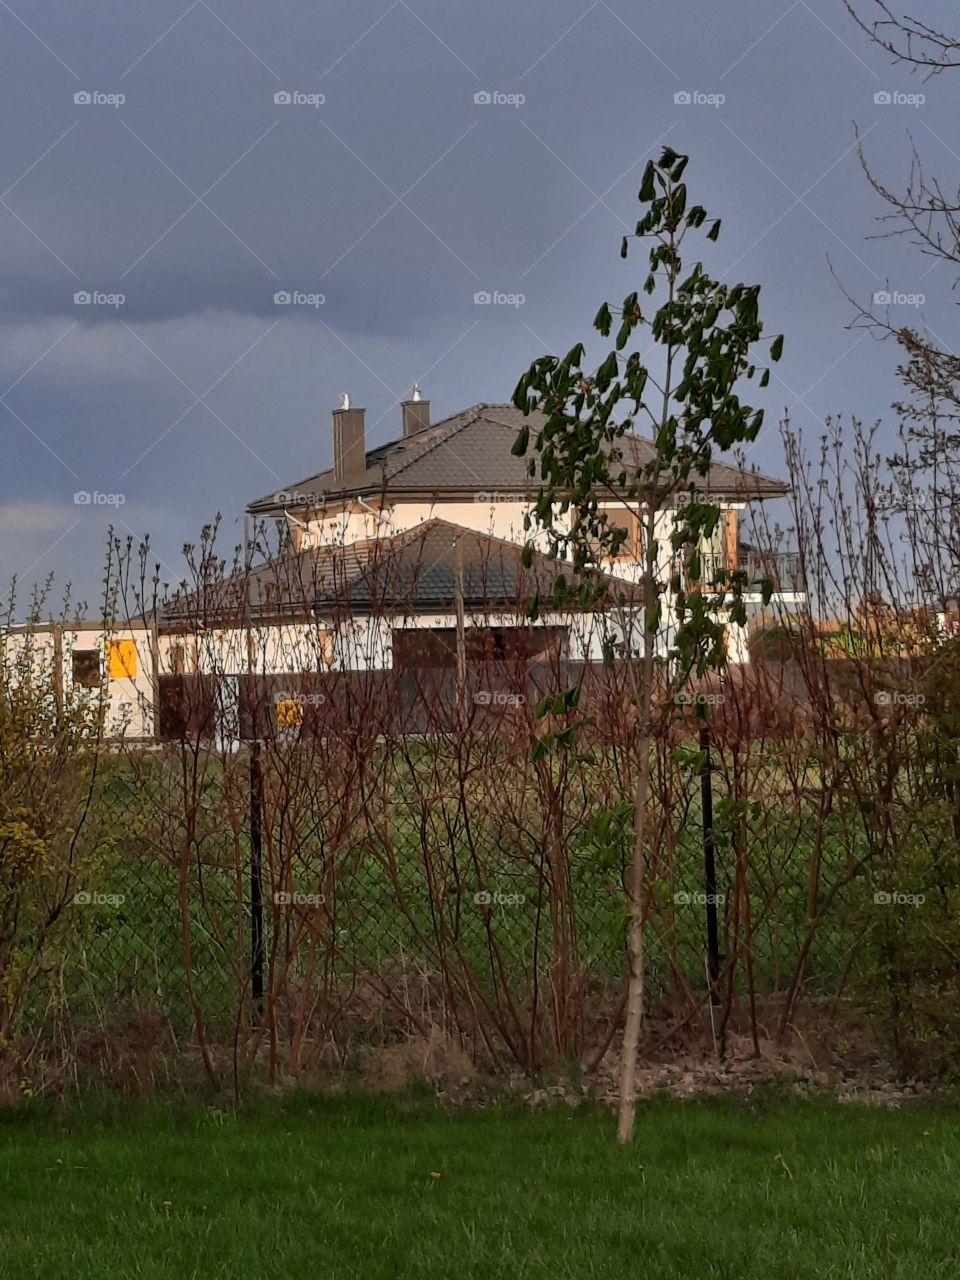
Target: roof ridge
x,y
442,437
390,448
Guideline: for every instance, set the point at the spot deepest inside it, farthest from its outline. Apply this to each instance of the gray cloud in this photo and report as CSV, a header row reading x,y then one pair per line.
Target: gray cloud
x,y
200,197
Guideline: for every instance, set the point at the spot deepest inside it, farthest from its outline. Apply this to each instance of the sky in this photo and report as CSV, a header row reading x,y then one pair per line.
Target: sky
x,y
167,170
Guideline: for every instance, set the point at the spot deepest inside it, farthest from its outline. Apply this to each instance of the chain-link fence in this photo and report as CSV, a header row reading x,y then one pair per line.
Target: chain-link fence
x,y
346,881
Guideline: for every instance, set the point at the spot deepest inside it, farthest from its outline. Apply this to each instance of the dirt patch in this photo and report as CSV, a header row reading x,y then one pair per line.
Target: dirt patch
x,y
434,1060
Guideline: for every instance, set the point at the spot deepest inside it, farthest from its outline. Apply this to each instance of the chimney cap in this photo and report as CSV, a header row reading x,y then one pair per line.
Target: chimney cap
x,y
344,400
416,391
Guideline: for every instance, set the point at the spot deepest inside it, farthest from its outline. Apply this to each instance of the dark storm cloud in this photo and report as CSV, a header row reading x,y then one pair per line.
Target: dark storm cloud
x,y
199,198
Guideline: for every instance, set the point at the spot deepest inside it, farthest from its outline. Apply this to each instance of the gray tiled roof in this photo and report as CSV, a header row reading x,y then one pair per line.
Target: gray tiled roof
x,y
419,570
414,571
470,453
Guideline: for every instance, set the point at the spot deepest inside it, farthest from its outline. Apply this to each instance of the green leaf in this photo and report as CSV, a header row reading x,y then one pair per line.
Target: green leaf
x,y
607,371
521,443
603,320
647,188
776,347
714,231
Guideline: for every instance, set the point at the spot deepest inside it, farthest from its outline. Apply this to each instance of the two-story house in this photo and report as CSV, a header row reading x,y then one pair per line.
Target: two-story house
x,y
403,566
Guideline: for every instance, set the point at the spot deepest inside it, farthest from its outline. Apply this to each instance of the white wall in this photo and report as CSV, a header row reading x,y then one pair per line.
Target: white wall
x,y
128,705
501,519
497,515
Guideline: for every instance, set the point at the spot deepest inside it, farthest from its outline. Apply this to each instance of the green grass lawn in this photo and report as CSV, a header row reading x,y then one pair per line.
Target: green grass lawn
x,y
343,1188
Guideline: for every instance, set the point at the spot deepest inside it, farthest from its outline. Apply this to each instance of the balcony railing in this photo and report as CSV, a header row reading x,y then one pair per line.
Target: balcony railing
x,y
781,568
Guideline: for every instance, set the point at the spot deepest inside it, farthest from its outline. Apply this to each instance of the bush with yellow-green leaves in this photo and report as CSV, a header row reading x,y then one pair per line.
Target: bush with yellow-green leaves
x,y
54,842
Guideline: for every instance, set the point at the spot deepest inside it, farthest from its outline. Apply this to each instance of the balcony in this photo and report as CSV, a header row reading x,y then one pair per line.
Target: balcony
x,y
781,568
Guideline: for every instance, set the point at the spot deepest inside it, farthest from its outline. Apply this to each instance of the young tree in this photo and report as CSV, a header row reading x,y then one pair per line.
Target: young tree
x,y
925,210
586,454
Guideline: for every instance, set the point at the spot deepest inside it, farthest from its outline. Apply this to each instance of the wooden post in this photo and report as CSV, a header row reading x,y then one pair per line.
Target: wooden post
x,y
461,639
58,668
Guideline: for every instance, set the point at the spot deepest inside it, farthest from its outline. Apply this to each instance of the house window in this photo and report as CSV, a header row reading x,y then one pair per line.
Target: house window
x,y
86,668
619,518
323,645
182,658
122,660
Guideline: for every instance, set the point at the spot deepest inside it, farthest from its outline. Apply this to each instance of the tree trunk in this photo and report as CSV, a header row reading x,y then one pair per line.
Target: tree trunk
x,y
635,883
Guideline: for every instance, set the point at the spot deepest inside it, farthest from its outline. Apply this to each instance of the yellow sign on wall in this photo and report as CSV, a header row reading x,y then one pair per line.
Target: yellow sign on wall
x,y
122,660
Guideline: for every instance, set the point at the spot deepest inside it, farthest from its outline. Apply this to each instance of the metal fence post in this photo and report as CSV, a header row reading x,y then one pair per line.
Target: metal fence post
x,y
256,876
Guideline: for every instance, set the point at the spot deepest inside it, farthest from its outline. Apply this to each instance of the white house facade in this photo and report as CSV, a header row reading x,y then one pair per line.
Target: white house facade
x,y
393,555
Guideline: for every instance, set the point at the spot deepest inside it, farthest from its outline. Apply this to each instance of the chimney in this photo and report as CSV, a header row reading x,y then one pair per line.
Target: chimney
x,y
349,449
416,412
